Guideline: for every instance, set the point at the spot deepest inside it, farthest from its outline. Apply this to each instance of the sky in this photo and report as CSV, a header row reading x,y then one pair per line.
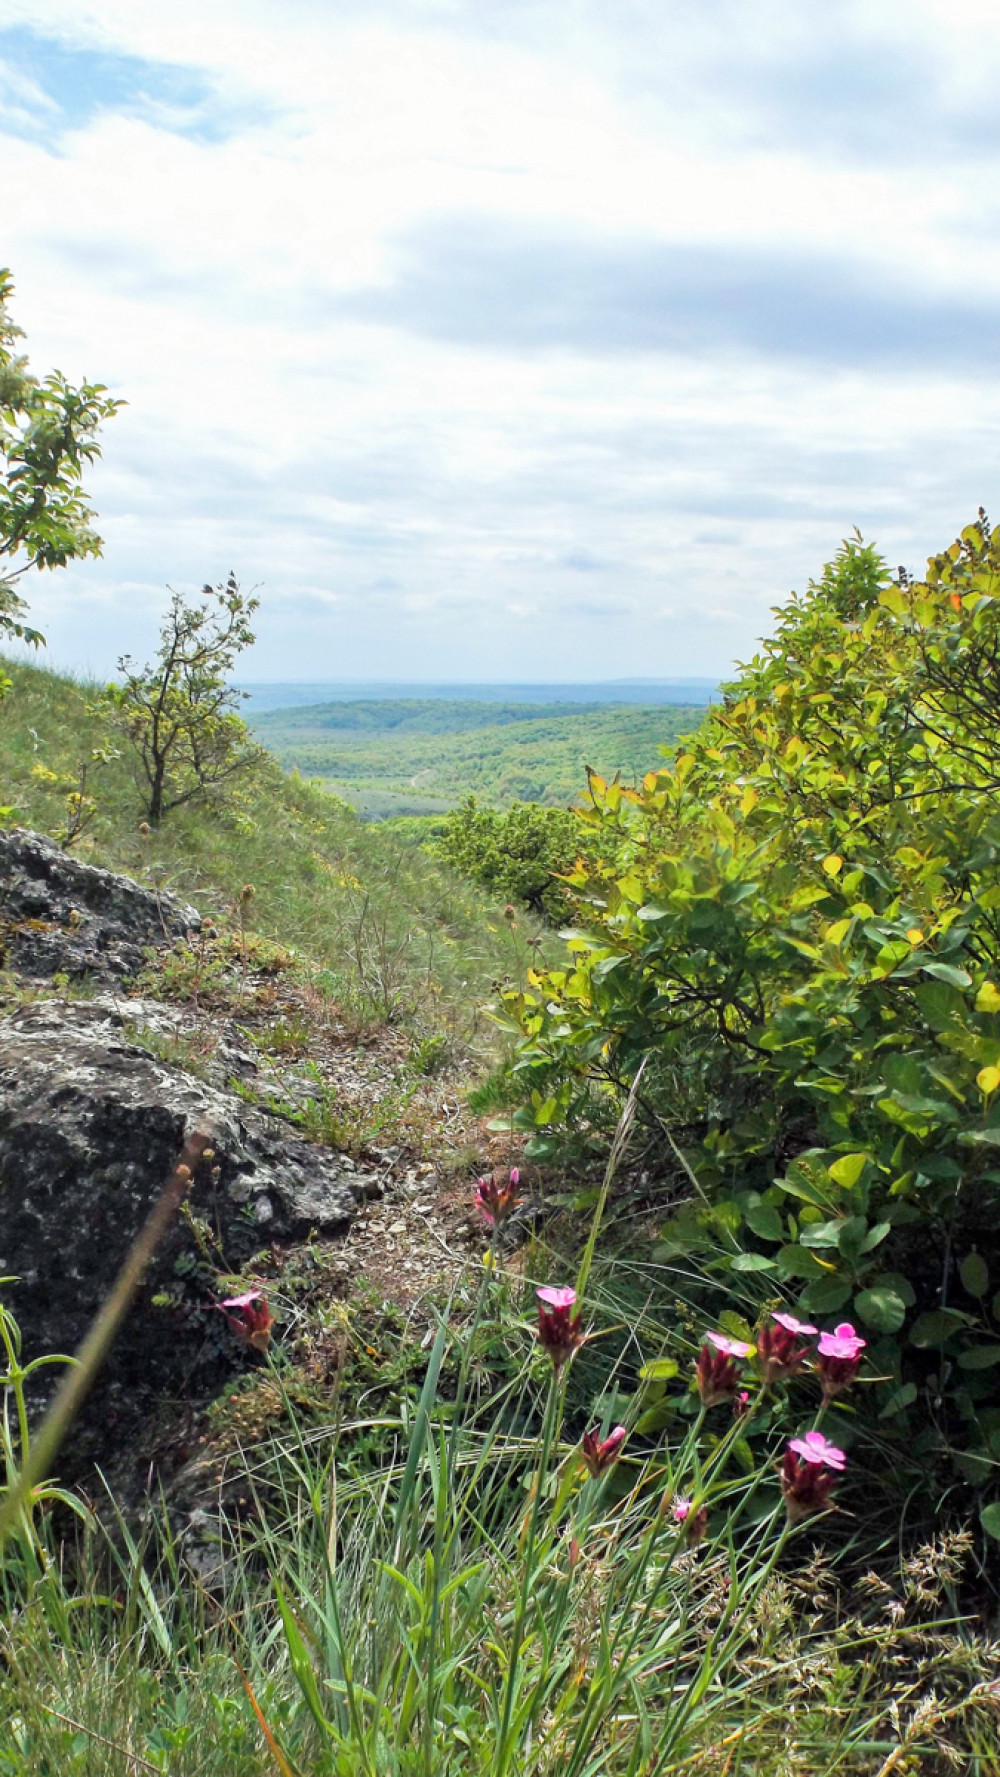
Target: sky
x,y
505,339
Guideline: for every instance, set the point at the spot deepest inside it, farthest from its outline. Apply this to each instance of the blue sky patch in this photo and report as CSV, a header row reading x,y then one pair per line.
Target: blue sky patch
x,y
52,87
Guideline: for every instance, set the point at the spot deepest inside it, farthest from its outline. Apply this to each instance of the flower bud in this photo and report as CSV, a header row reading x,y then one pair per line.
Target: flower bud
x,y
559,1331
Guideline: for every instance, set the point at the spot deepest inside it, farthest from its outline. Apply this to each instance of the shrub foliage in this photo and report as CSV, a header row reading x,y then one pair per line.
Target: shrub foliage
x,y
48,435
797,920
525,852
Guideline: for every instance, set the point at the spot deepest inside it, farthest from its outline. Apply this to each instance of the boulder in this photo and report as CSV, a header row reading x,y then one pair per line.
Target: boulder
x,y
91,1124
59,915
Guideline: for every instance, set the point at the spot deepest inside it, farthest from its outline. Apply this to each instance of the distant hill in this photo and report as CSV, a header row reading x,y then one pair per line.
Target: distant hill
x,y
268,695
424,755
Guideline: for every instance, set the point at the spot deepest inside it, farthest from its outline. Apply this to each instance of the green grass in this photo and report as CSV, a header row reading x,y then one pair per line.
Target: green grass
x,y
463,1600
387,928
408,756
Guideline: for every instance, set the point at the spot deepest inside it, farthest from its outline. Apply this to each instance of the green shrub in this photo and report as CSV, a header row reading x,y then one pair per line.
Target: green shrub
x,y
801,931
523,852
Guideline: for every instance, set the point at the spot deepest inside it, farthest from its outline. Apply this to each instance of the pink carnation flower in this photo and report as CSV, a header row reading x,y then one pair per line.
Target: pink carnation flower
x,y
814,1447
839,1358
731,1347
809,1475
565,1298
800,1328
842,1342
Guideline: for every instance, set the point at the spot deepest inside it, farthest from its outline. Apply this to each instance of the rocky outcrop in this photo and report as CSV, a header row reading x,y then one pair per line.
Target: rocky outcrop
x,y
59,915
91,1124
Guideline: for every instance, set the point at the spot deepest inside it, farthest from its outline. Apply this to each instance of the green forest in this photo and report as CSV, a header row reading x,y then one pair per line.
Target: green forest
x,y
412,756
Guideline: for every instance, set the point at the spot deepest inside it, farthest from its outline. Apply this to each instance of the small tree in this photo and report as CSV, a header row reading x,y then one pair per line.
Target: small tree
x,y
179,712
48,433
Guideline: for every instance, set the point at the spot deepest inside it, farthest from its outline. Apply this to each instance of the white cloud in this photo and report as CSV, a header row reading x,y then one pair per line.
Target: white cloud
x,y
390,289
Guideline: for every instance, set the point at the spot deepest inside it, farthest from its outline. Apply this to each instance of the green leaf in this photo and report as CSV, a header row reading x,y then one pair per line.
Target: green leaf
x,y
795,1261
826,1295
894,1280
989,1518
851,1237
875,1236
848,1169
660,1369
900,1399
821,1234
975,1274
937,1326
752,1262
655,1418
947,972
980,1357
765,1220
881,1308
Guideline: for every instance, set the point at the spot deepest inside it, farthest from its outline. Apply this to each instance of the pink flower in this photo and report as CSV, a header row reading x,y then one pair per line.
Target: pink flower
x,y
800,1328
814,1447
251,1321
741,1404
695,1521
777,1350
564,1298
839,1358
731,1347
715,1372
842,1342
559,1331
496,1198
806,1480
599,1454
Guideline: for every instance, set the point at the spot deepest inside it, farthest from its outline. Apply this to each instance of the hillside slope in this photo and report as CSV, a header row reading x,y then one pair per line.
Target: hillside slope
x,y
392,933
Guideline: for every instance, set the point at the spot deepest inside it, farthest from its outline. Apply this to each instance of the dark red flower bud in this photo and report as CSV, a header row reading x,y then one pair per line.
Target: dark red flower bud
x,y
559,1329
599,1454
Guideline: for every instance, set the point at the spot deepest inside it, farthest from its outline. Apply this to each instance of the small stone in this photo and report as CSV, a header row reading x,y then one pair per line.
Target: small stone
x,y
397,1227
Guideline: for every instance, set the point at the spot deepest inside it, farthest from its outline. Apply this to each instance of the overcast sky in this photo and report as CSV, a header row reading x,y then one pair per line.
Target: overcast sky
x,y
506,339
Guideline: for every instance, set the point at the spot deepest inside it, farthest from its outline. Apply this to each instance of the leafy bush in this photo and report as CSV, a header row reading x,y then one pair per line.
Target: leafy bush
x,y
521,852
801,931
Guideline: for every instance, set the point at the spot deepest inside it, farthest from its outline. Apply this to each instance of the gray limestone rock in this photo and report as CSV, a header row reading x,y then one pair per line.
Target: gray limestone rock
x,y
91,1124
59,915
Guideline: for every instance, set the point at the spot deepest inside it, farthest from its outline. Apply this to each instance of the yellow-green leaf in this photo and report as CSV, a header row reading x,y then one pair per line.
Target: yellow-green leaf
x,y
848,1169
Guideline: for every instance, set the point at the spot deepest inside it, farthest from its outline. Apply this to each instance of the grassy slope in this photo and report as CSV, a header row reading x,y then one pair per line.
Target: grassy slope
x,y
367,905
401,755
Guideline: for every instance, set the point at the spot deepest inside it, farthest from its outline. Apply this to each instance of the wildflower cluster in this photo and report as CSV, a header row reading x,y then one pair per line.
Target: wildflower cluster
x,y
811,1463
780,1354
